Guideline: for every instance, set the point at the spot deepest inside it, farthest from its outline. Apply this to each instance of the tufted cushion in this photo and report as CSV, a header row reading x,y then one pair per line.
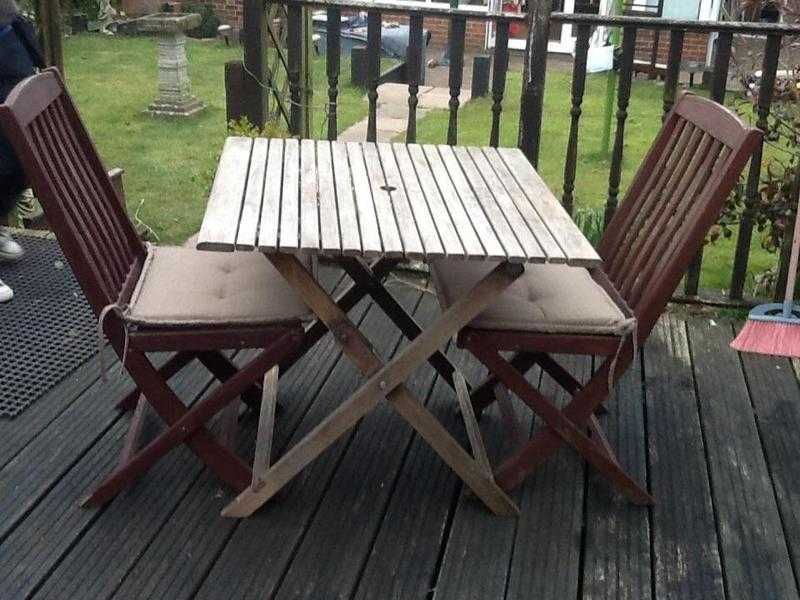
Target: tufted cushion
x,y
180,286
546,299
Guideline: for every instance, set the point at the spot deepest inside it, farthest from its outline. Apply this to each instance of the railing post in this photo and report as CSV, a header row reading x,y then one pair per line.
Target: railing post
x,y
458,30
741,257
294,49
48,17
307,71
719,82
499,70
332,53
623,97
533,78
254,33
578,86
373,71
414,68
673,70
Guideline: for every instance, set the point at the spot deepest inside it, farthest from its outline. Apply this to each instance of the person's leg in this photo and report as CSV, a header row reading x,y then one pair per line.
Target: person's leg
x,y
12,184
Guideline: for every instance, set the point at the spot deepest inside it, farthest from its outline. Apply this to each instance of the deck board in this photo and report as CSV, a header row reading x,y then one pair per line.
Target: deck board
x,y
546,559
380,516
774,394
617,547
754,553
249,566
685,548
417,519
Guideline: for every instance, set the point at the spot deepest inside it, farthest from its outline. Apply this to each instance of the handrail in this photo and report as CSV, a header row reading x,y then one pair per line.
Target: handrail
x,y
683,24
478,14
475,13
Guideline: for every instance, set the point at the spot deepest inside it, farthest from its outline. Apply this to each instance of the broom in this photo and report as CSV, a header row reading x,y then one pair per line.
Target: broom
x,y
775,328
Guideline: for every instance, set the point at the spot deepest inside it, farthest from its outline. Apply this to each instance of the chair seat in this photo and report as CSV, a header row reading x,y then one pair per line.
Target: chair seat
x,y
544,299
185,287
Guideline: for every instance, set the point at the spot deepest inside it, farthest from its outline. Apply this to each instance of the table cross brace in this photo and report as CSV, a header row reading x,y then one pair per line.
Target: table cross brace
x,y
384,381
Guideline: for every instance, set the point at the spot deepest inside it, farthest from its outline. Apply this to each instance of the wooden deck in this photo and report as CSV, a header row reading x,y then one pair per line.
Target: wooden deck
x,y
378,516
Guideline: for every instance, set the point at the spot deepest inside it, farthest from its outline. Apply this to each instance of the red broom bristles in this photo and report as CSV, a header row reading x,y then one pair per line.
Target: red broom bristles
x,y
764,337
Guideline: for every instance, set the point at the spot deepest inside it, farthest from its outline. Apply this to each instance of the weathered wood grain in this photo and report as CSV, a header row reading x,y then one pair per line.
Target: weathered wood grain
x,y
221,220
396,200
188,545
616,562
247,235
382,200
309,196
250,566
362,486
367,219
775,398
754,554
552,516
289,232
415,524
271,198
403,215
566,234
687,561
61,547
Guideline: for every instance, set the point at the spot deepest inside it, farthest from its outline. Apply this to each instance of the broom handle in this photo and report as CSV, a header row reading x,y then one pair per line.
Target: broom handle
x,y
788,299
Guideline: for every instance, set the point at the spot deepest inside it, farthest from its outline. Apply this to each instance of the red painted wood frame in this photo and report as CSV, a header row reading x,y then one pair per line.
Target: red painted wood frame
x,y
88,217
675,198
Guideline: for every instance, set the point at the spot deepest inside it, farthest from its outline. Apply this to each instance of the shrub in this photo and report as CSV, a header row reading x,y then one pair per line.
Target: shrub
x,y
209,24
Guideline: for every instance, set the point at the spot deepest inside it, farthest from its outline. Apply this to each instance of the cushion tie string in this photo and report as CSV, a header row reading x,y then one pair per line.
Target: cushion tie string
x,y
101,342
628,328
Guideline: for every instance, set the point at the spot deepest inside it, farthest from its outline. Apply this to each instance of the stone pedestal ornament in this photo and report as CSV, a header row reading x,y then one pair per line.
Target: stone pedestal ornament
x,y
174,87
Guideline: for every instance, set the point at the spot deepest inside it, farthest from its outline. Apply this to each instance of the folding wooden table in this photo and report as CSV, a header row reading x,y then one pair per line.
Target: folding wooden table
x,y
353,202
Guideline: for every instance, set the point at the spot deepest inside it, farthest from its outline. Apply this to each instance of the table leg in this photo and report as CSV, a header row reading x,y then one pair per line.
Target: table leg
x,y
385,381
365,277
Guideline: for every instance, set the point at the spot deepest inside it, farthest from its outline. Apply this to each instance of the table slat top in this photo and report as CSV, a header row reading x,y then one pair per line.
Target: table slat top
x,y
405,200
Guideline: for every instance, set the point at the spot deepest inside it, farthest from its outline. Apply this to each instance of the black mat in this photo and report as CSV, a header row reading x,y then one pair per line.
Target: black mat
x,y
46,331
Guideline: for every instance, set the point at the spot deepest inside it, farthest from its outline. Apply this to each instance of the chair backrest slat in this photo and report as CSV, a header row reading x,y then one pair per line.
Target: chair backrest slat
x,y
675,198
68,176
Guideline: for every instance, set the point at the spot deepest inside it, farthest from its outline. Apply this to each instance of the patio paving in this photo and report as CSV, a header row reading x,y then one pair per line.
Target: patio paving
x,y
379,516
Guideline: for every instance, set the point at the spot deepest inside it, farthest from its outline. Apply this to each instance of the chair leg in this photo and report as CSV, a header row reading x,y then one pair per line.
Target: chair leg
x,y
345,300
170,368
187,425
484,394
517,437
365,278
132,438
562,428
471,424
229,425
223,369
266,428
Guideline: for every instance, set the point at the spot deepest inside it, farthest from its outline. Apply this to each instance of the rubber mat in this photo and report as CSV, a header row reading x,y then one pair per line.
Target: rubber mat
x,y
46,331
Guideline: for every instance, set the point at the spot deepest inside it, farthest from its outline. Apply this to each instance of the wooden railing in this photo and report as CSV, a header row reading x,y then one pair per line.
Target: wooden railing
x,y
534,77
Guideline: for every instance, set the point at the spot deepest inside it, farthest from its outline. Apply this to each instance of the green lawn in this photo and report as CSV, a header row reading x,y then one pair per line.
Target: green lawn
x,y
591,183
169,164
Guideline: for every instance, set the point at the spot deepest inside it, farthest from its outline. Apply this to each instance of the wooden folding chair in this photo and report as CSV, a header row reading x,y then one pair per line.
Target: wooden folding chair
x,y
151,299
675,198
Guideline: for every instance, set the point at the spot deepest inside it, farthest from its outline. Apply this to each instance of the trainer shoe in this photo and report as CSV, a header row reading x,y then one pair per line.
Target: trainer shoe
x,y
9,249
6,293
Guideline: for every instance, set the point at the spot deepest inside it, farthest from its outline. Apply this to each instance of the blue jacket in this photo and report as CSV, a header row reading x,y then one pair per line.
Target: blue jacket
x,y
19,54
19,58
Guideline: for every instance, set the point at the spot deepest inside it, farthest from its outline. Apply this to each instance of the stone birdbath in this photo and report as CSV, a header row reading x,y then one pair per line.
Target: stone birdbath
x,y
174,87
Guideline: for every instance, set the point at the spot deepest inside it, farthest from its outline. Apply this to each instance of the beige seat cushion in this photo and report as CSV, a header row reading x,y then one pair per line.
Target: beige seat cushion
x,y
546,299
181,286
